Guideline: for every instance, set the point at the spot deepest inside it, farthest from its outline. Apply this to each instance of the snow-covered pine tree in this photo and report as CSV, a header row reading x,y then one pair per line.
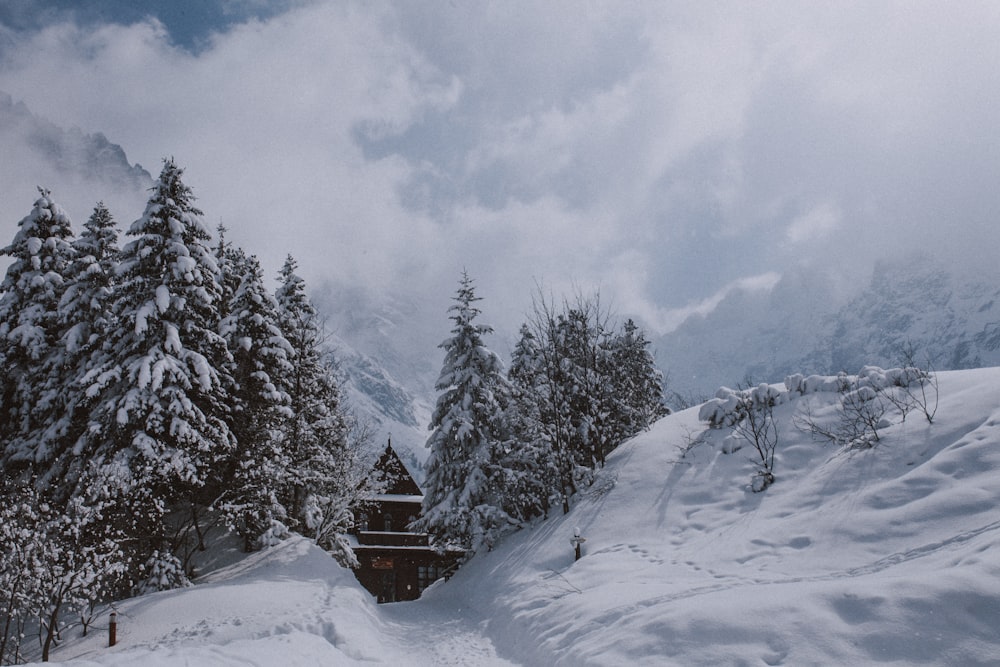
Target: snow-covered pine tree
x,y
62,551
578,337
636,389
529,460
160,425
231,261
86,320
315,438
260,406
463,501
31,400
86,305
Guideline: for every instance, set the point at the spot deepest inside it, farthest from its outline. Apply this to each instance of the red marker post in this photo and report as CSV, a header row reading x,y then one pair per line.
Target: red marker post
x,y
113,628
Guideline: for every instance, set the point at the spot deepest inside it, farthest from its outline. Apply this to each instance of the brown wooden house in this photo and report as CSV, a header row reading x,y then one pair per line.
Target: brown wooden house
x,y
395,563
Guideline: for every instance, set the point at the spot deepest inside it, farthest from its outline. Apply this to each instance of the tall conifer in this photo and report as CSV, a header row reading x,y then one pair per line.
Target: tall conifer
x,y
315,438
260,405
30,330
160,426
463,501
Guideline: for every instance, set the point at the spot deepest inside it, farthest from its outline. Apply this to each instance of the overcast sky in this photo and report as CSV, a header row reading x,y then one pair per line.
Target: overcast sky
x,y
658,151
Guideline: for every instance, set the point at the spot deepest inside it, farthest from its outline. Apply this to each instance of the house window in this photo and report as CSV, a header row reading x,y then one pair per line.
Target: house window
x,y
427,575
387,518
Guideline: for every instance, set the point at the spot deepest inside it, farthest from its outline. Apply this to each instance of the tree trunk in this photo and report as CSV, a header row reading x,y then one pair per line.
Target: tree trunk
x,y
52,628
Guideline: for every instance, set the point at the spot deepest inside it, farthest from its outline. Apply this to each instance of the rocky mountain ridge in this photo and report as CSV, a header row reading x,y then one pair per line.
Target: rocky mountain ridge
x,y
913,306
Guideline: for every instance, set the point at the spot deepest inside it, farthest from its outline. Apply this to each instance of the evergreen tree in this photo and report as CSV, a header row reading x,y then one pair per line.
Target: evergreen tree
x,y
529,463
636,396
160,425
259,405
315,438
33,393
578,339
85,308
232,264
463,503
87,321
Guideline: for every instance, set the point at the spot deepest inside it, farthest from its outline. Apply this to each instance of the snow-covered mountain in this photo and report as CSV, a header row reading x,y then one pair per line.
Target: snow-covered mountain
x,y
73,153
757,333
390,410
882,555
950,319
810,323
386,347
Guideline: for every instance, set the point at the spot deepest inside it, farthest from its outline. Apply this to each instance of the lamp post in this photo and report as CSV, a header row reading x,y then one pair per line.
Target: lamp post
x,y
113,628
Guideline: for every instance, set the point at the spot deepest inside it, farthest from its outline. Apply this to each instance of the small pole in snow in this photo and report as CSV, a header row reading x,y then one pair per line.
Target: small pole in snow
x,y
113,628
576,541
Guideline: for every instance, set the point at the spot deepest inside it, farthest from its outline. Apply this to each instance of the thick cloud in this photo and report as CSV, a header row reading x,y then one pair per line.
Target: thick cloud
x,y
660,152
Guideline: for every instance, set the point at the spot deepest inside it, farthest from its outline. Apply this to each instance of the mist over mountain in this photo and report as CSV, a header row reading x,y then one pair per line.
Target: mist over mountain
x,y
811,323
385,345
761,333
812,320
70,152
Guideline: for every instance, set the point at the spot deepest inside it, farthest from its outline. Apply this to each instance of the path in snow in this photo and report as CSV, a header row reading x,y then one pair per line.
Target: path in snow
x,y
440,634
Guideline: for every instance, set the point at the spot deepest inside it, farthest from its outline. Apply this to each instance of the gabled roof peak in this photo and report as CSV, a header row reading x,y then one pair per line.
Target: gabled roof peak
x,y
400,481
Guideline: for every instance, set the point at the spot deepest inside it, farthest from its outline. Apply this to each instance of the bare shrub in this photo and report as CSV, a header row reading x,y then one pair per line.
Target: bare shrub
x,y
691,442
861,416
759,430
925,394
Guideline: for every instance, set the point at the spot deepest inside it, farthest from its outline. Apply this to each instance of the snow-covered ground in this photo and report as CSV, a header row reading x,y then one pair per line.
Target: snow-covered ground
x,y
889,555
290,605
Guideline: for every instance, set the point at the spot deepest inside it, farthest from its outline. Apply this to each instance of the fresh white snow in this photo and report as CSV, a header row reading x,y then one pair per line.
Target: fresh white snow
x,y
888,555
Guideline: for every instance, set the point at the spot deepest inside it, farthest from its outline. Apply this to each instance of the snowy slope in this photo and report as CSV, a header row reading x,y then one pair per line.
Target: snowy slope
x,y
891,554
884,555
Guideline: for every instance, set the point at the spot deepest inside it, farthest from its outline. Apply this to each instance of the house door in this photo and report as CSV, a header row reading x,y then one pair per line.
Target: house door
x,y
387,587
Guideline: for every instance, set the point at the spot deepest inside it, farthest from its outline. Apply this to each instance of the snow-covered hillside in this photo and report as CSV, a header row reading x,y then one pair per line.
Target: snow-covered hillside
x,y
890,554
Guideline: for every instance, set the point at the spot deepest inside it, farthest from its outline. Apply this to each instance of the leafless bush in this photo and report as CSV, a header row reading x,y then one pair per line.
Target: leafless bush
x,y
691,442
925,394
861,416
757,427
